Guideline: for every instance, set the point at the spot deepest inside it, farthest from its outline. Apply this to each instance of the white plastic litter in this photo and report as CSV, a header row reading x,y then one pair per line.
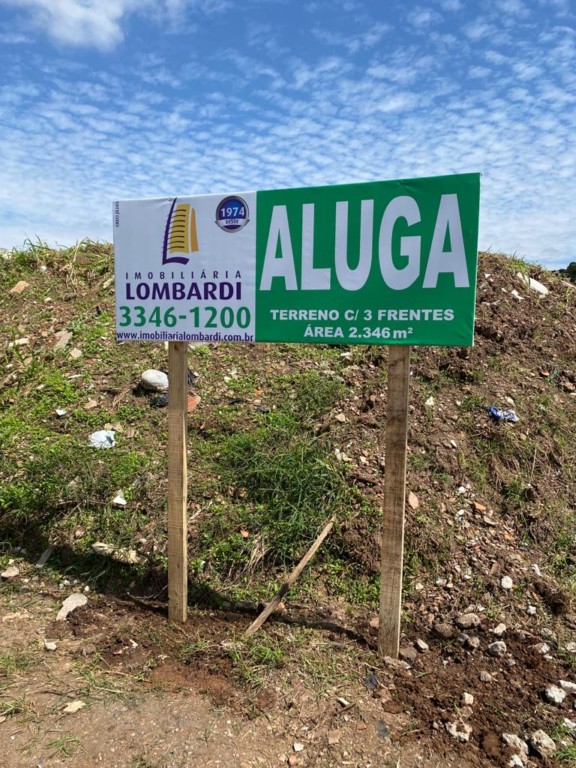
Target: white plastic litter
x,y
104,438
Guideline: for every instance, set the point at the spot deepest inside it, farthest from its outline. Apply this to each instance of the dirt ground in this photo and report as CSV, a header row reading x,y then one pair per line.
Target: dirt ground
x,y
145,708
157,695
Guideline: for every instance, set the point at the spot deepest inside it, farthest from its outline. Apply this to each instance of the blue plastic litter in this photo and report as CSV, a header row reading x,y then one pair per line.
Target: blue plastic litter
x,y
499,415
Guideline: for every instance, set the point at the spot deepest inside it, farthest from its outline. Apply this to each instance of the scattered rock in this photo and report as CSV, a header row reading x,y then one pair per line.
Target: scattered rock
x,y
298,746
20,286
534,285
497,649
413,501
193,402
467,700
567,686
554,695
75,353
499,630
74,706
409,654
541,648
10,573
515,762
444,631
154,381
75,600
467,621
374,622
396,664
515,742
50,645
430,402
422,646
340,417
62,339
570,647
102,548
570,725
473,643
333,737
542,744
506,583
486,677
459,731
119,500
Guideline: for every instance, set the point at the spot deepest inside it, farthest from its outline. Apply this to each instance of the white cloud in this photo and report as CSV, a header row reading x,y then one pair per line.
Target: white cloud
x,y
98,23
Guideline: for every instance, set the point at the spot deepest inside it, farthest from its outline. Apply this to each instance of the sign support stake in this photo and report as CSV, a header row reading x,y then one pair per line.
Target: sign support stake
x,y
394,500
177,482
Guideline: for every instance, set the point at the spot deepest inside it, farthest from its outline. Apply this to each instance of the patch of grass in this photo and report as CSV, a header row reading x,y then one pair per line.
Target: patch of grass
x,y
283,485
14,707
64,746
11,663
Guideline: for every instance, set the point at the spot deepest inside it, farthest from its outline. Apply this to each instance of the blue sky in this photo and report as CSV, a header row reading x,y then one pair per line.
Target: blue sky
x,y
114,99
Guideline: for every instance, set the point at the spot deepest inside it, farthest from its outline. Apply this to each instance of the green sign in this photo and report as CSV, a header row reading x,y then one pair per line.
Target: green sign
x,y
385,262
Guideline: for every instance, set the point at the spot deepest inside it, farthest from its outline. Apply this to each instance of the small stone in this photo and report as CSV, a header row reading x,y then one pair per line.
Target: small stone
x,y
193,402
50,645
515,742
422,646
61,339
567,686
570,725
497,649
292,760
75,353
515,762
374,622
74,706
430,402
413,501
333,737
542,744
298,746
467,700
409,654
119,500
554,695
467,621
154,381
10,573
486,677
340,417
61,412
499,630
570,647
396,664
444,631
20,286
531,611
101,548
459,731
90,405
473,643
75,600
541,648
506,583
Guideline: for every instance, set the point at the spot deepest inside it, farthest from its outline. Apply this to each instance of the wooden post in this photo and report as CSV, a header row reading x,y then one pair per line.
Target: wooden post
x,y
177,482
394,499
